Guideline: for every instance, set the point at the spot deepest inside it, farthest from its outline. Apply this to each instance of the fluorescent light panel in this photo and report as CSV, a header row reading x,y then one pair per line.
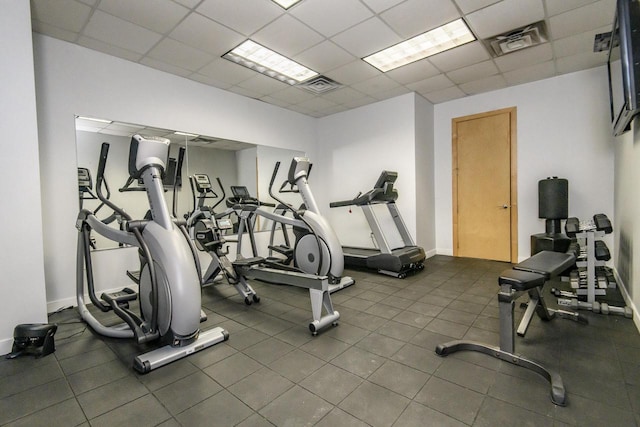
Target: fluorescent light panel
x,y
286,4
94,119
186,134
252,55
438,40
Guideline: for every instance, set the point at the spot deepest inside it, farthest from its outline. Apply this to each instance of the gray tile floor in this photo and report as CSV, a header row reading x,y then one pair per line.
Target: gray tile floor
x,y
378,367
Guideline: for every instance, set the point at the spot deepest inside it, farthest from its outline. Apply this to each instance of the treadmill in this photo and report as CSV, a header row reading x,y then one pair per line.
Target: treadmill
x,y
396,262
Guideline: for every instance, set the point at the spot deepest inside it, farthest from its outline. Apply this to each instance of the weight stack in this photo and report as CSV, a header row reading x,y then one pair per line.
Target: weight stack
x,y
553,206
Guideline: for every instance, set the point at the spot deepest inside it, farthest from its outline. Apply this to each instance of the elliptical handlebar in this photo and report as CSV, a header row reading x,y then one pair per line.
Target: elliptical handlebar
x,y
104,153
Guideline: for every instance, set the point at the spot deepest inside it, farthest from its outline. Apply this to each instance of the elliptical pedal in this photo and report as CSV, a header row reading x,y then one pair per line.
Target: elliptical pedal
x,y
121,298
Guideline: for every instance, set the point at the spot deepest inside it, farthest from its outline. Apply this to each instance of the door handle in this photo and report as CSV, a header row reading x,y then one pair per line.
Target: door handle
x,y
504,206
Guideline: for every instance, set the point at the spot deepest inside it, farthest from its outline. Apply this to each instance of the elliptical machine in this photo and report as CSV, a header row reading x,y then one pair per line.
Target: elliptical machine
x,y
169,280
208,229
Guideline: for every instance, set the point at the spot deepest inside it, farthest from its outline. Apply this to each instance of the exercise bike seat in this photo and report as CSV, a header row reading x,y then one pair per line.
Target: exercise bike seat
x,y
547,263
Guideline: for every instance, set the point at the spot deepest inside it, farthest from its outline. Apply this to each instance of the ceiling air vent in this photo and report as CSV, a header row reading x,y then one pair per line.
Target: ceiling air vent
x,y
520,38
319,85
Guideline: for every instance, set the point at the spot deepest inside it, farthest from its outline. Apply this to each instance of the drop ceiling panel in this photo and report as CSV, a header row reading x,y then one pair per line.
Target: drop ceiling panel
x,y
287,36
375,85
431,84
55,32
381,5
473,72
163,66
330,17
484,85
156,15
180,55
418,16
413,72
444,95
324,57
120,33
292,95
367,37
64,14
505,16
207,35
109,49
262,85
468,54
582,61
525,57
245,17
353,72
530,74
556,7
468,6
580,20
226,71
579,43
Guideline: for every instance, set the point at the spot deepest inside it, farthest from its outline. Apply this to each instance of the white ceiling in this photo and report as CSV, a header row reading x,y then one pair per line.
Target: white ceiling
x,y
188,38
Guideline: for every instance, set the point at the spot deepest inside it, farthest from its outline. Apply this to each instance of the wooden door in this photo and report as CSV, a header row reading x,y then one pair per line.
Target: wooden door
x,y
484,186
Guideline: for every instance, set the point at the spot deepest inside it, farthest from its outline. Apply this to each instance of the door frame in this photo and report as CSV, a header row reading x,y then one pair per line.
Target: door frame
x,y
512,111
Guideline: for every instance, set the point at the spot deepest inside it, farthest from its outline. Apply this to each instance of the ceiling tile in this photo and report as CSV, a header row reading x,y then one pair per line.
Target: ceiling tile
x,y
245,17
461,56
353,72
317,104
118,32
55,32
360,102
582,61
468,6
65,14
293,95
580,20
202,33
391,93
444,95
163,66
473,72
505,16
367,37
375,85
342,95
208,80
418,16
431,84
524,57
413,72
188,3
555,7
156,15
379,5
262,84
275,101
330,17
246,92
579,43
287,36
109,49
226,71
530,74
180,55
324,57
484,85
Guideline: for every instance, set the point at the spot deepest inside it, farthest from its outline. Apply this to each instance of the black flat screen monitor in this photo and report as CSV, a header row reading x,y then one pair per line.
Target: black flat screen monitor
x,y
623,67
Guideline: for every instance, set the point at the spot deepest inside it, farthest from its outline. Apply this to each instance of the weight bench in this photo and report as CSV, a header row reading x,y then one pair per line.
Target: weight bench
x,y
528,276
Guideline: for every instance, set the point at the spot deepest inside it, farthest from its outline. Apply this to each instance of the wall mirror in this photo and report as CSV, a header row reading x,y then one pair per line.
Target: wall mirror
x,y
236,163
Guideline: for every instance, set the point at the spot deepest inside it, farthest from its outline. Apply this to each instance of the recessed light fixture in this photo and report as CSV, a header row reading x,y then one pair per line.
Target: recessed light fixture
x,y
286,4
94,119
192,135
252,55
438,40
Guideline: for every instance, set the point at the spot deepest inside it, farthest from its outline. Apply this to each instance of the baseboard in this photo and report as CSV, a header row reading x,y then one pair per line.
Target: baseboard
x,y
625,295
431,253
6,345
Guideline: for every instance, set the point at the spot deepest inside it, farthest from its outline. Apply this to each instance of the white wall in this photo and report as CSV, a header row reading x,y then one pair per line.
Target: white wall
x,y
72,80
354,147
562,130
21,251
425,176
627,215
